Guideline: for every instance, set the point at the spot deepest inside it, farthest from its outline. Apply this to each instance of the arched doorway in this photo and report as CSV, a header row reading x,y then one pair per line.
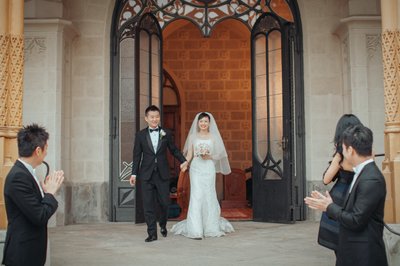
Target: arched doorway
x,y
206,15
172,121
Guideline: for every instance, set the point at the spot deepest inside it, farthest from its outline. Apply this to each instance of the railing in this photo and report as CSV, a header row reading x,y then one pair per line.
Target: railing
x,y
391,229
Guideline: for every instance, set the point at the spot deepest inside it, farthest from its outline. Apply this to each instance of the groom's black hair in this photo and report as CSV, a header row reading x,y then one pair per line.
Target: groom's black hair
x,y
151,108
202,115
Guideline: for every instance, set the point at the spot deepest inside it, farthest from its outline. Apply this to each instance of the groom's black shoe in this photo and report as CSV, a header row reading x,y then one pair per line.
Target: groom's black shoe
x,y
163,231
150,238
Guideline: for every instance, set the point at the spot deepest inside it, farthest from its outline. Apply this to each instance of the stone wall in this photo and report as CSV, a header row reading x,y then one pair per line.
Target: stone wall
x,y
67,90
47,58
392,243
214,75
342,74
88,202
88,114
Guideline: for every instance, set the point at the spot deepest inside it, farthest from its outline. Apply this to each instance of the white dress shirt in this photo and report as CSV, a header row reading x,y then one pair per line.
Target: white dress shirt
x,y
155,136
357,170
32,171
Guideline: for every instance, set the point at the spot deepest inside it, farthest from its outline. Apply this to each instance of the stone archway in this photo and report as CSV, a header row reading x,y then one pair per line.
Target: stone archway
x,y
208,16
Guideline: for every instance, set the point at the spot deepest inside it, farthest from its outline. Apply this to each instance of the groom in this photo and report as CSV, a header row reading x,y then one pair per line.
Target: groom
x,y
150,164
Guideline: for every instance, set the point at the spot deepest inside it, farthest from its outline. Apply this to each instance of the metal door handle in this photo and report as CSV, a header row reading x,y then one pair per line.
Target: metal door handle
x,y
284,143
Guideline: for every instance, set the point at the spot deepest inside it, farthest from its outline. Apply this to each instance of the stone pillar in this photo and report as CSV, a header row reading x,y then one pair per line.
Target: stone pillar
x,y
11,82
48,44
391,71
362,68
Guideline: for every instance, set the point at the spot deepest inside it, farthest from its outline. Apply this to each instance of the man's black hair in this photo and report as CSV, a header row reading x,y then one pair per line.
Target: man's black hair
x,y
29,138
360,138
151,108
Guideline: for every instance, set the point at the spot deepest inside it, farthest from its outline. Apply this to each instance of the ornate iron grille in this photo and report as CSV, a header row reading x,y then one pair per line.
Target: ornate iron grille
x,y
205,14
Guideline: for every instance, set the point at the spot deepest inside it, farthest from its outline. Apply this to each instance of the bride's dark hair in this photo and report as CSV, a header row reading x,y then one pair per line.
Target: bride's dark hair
x,y
202,115
347,120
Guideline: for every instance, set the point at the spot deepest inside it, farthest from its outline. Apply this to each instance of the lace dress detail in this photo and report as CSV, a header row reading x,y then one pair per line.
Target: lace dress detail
x,y
204,213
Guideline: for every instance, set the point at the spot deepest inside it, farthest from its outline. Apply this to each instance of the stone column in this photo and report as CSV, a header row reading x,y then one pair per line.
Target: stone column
x,y
391,70
11,84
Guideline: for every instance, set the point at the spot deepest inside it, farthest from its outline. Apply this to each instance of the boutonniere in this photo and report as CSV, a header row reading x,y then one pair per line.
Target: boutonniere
x,y
162,133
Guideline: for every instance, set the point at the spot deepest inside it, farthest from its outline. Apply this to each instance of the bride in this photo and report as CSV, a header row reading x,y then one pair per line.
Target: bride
x,y
205,150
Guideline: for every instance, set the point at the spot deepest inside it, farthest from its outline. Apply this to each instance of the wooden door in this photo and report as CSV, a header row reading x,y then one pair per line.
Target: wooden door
x,y
171,121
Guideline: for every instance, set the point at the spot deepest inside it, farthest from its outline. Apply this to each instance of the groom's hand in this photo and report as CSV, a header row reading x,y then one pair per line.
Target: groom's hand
x,y
132,180
184,166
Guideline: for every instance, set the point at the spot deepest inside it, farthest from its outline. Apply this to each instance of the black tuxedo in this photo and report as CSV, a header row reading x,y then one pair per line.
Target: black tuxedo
x,y
152,168
28,214
361,221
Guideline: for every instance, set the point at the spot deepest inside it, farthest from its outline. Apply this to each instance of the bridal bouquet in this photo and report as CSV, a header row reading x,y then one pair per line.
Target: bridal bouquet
x,y
203,149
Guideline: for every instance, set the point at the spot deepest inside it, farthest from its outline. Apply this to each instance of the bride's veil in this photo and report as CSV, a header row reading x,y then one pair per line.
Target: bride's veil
x,y
220,157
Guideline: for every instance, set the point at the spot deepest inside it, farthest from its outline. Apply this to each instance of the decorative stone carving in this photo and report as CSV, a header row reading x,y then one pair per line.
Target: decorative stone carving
x,y
373,45
11,79
11,84
34,48
4,58
16,80
391,70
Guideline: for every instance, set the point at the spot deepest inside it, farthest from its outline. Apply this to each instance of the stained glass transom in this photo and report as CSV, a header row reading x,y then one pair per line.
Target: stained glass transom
x,y
205,13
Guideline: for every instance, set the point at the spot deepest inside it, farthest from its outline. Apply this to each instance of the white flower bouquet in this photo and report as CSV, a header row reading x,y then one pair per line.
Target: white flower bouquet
x,y
203,149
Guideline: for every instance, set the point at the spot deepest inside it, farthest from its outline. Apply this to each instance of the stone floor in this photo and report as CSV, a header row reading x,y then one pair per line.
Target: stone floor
x,y
252,244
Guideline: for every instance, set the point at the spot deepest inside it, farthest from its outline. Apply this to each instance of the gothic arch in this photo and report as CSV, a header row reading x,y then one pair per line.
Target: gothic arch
x,y
205,15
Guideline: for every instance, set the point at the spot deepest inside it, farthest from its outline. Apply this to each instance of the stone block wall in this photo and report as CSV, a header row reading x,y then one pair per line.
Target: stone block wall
x,y
214,75
86,202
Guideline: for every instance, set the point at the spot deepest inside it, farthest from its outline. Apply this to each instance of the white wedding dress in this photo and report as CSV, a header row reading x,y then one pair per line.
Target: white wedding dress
x,y
203,218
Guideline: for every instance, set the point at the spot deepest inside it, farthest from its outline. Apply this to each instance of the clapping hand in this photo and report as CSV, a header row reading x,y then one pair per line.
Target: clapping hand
x,y
53,182
318,201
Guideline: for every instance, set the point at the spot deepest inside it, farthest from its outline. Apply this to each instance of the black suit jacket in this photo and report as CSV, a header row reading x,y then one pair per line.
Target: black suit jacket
x,y
27,214
145,159
361,221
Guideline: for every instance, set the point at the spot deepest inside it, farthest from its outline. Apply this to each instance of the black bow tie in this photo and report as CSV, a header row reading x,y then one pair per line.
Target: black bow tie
x,y
152,130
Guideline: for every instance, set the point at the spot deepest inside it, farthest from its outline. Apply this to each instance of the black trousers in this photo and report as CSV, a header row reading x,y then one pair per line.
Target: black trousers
x,y
155,191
